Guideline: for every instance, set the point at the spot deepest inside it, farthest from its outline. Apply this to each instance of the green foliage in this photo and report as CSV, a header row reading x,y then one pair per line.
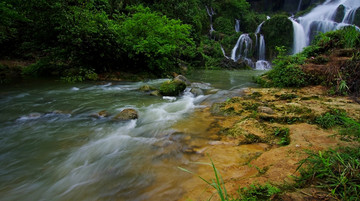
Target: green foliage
x,y
284,134
350,130
155,39
258,192
286,72
336,171
278,31
172,88
79,75
351,37
224,25
331,119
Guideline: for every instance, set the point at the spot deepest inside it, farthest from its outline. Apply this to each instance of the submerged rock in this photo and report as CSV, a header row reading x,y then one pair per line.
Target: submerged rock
x,y
100,114
155,93
197,91
126,114
146,88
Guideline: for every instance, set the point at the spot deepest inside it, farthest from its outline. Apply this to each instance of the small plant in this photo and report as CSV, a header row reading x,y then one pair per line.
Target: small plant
x,y
258,192
350,130
284,134
330,119
217,183
336,171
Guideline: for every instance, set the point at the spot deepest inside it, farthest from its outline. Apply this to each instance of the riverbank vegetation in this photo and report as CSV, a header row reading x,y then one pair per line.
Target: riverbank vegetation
x,y
76,39
332,60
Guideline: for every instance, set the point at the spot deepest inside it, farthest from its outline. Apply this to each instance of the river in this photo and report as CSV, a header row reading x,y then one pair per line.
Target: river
x,y
53,147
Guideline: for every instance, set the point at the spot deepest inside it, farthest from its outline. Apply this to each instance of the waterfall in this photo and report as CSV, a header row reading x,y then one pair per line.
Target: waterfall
x,y
320,19
223,51
299,6
262,64
211,13
242,48
262,48
259,28
349,16
237,25
299,37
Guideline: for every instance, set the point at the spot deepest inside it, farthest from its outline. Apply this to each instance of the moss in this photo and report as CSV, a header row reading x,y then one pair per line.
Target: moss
x,y
224,25
277,31
357,17
286,96
172,88
340,13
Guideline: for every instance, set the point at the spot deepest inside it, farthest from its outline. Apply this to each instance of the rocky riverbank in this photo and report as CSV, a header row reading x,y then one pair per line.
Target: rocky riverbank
x,y
262,136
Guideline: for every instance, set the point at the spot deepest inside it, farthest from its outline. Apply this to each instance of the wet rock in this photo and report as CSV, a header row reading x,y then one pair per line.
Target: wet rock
x,y
126,114
100,114
211,91
340,13
357,17
155,93
181,78
265,110
146,88
172,88
201,85
197,91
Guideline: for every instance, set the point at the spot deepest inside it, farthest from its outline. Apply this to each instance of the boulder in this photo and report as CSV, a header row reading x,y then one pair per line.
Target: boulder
x,y
265,110
340,13
172,88
126,114
357,17
181,78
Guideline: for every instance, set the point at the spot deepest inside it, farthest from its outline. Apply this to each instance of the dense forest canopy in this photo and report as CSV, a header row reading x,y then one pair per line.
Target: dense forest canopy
x,y
85,37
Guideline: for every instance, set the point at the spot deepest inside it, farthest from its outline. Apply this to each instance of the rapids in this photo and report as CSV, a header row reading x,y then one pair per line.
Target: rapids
x,y
53,147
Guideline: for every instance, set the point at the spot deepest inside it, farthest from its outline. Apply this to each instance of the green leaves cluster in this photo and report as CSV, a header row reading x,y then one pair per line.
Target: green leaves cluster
x,y
335,171
104,35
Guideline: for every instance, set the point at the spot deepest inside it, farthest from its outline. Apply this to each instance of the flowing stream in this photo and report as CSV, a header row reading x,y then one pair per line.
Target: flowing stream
x,y
53,146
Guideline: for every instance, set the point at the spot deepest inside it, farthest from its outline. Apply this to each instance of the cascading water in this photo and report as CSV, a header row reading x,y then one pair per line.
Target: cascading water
x,y
321,19
299,6
242,49
211,13
223,51
237,25
262,64
299,37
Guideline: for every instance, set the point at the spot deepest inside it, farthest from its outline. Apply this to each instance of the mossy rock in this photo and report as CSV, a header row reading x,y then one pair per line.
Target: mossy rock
x,y
340,13
172,88
277,31
126,114
357,17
